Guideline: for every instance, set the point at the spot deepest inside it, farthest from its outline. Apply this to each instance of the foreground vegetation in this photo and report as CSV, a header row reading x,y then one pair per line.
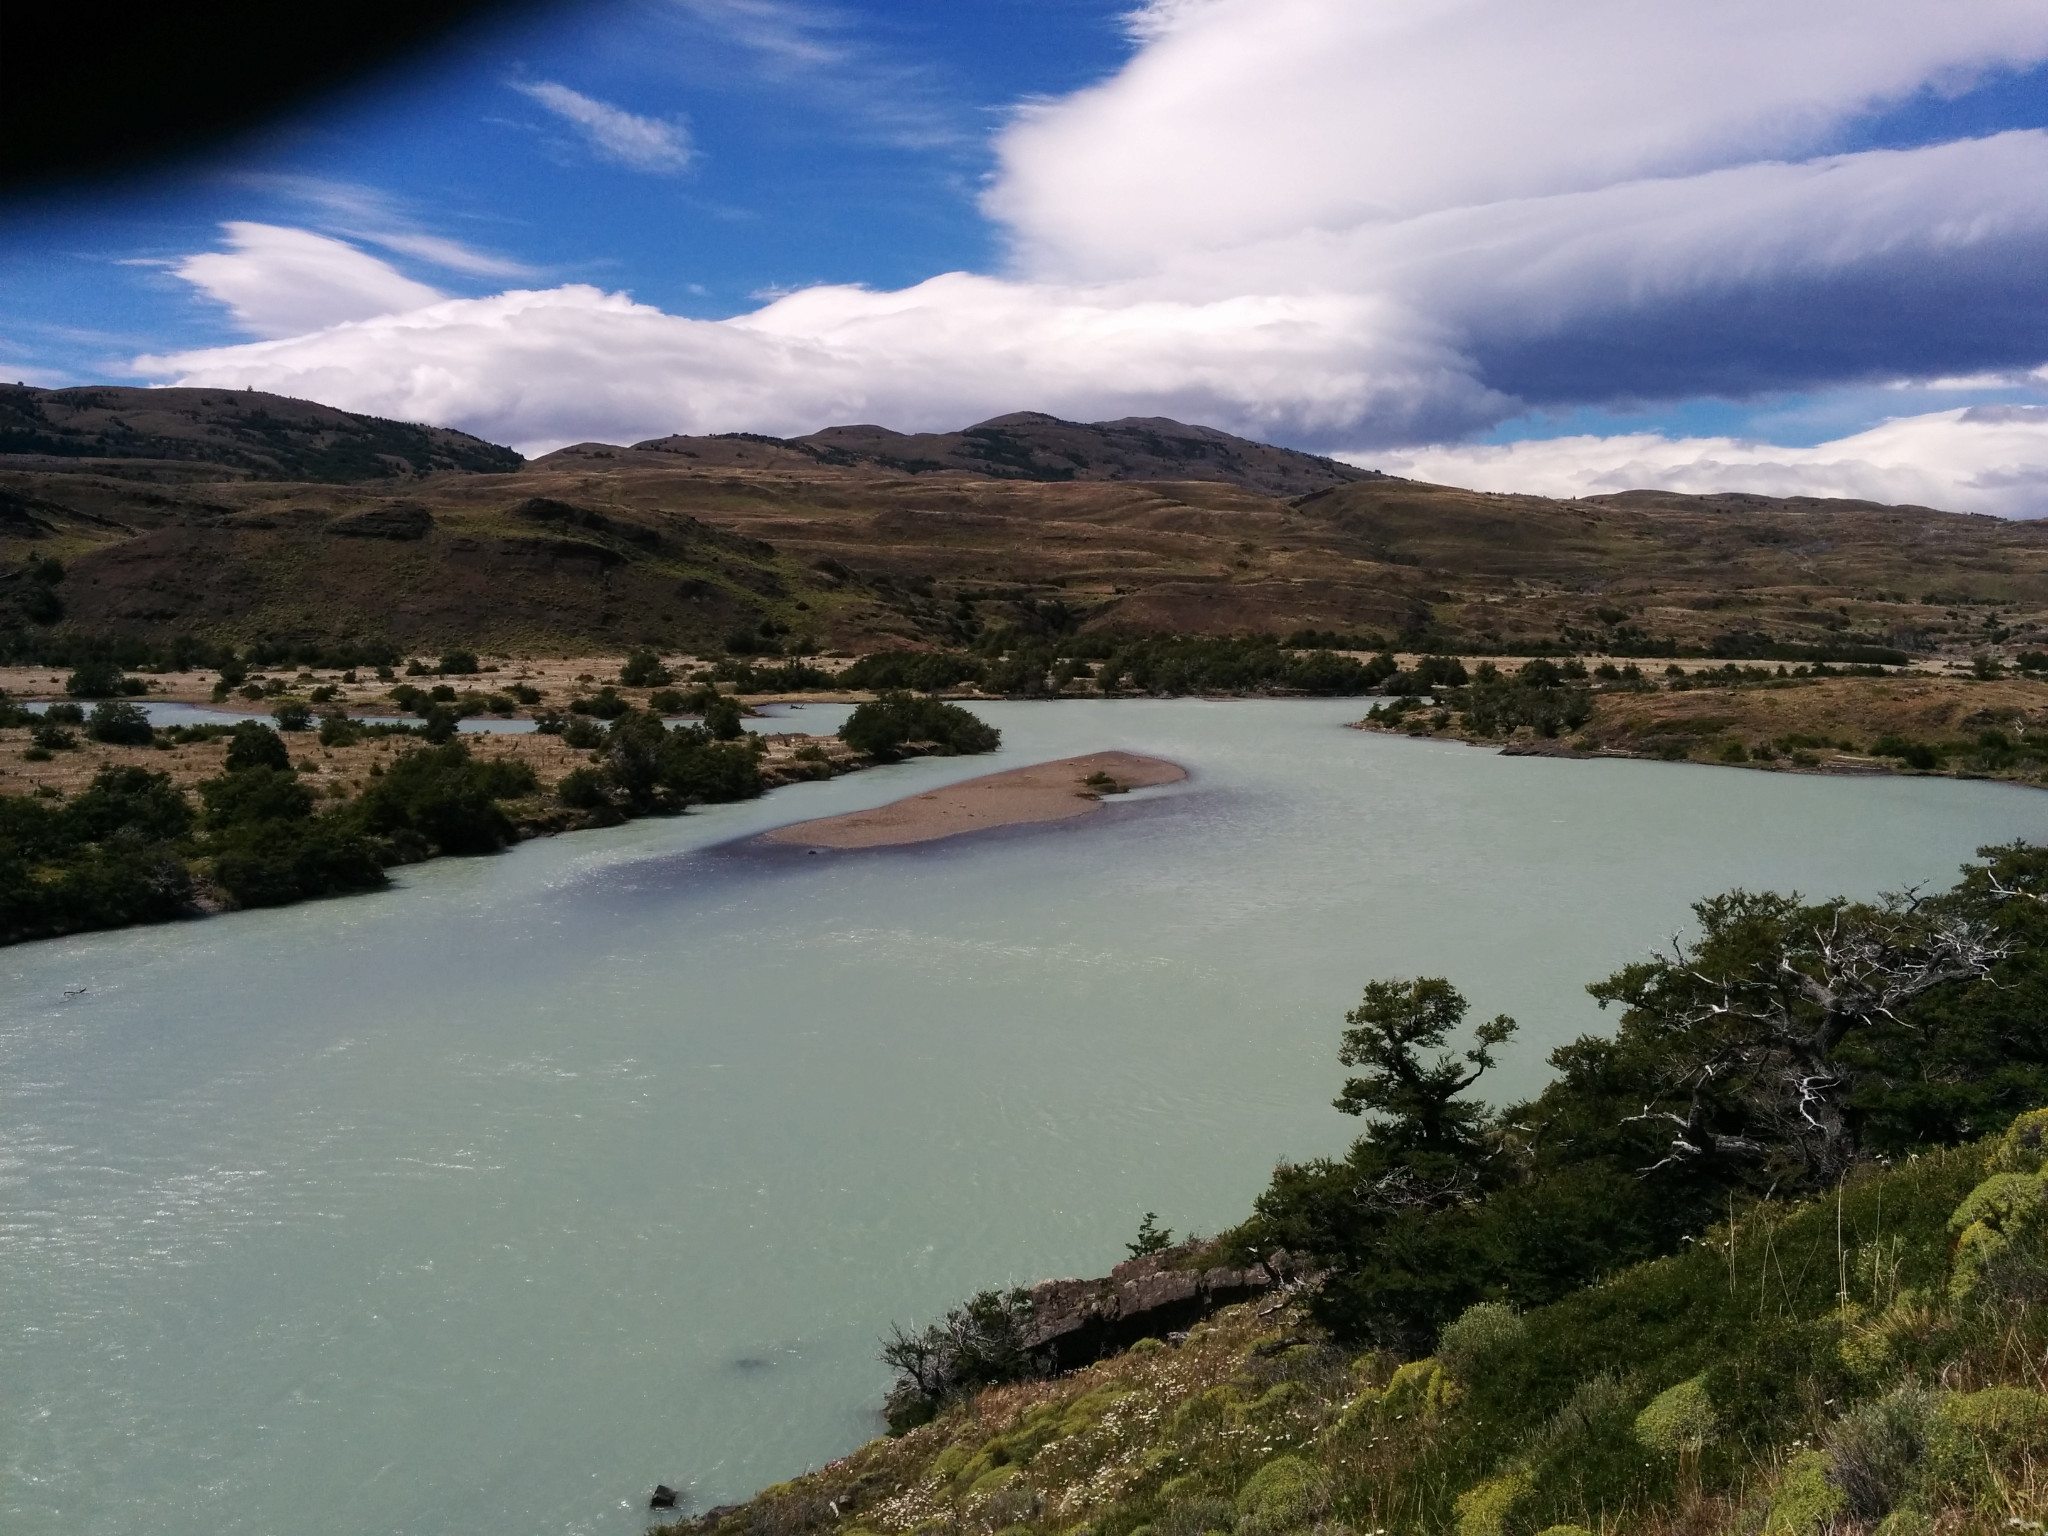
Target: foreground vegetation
x,y
1752,1265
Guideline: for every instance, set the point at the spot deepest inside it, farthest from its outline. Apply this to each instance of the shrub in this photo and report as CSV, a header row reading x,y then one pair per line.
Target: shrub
x,y
134,801
722,717
275,863
607,705
1286,1494
250,795
882,728
458,664
1806,1501
120,724
978,1345
64,714
1679,1420
1486,1509
924,671
439,799
1874,1450
256,746
337,730
1478,1332
94,680
293,716
1980,1438
2005,1210
583,734
643,669
52,738
583,789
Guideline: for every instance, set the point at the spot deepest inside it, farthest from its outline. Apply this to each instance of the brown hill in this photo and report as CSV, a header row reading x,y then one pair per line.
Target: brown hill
x,y
215,433
597,548
1027,445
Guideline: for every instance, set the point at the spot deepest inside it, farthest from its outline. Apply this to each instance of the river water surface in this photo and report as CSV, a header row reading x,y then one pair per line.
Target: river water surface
x,y
486,1203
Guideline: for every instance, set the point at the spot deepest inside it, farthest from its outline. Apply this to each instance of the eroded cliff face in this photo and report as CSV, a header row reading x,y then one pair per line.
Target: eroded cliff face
x,y
1075,1322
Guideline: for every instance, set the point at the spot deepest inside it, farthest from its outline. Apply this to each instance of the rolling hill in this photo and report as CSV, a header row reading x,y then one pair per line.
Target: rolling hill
x,y
233,516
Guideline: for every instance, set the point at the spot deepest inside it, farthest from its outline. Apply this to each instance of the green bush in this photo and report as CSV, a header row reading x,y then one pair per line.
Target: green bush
x,y
1806,1501
881,729
119,724
273,863
458,664
583,789
922,671
256,746
1479,1331
439,799
293,716
106,859
95,680
643,669
1980,1439
1286,1494
250,795
1486,1509
129,801
1679,1420
722,717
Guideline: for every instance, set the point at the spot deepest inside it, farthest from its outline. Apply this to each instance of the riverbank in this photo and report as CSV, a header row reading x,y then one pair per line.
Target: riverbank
x,y
1055,791
1919,724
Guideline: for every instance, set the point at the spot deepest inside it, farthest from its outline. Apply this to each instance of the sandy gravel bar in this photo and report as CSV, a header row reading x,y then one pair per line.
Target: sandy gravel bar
x,y
1043,792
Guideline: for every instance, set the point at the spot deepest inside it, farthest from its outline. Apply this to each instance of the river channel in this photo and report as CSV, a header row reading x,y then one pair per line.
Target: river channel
x,y
485,1203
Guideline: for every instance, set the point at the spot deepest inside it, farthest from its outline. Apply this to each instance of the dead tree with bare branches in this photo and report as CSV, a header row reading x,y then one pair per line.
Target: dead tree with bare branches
x,y
1753,1019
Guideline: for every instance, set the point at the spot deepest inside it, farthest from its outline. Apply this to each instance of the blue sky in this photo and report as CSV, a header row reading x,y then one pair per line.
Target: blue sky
x,y
828,144
1382,227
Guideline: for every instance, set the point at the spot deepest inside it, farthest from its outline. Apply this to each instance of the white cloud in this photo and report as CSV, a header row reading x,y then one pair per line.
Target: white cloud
x,y
638,143
1250,120
1987,458
538,369
288,282
1356,223
372,216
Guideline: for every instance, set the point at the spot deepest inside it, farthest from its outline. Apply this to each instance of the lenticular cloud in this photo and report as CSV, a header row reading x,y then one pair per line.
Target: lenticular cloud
x,y
1350,224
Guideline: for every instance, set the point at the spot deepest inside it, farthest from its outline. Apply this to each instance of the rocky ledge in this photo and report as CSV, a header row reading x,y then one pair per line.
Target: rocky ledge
x,y
1076,1322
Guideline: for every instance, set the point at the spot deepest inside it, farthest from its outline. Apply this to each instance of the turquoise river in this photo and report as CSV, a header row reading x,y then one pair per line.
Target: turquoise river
x,y
484,1204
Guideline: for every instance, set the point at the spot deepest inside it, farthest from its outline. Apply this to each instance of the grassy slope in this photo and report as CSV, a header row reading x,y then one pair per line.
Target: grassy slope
x,y
924,558
1537,1430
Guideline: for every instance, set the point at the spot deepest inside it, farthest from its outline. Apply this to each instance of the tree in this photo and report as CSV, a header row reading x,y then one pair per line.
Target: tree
x,y
983,1344
1421,1102
1152,1238
722,717
1761,1019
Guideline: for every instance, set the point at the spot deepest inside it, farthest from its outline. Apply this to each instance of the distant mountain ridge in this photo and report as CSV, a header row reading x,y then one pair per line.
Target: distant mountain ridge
x,y
1029,445
116,429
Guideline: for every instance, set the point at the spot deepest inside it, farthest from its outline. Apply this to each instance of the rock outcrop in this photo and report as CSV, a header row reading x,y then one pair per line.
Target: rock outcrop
x,y
1074,1322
